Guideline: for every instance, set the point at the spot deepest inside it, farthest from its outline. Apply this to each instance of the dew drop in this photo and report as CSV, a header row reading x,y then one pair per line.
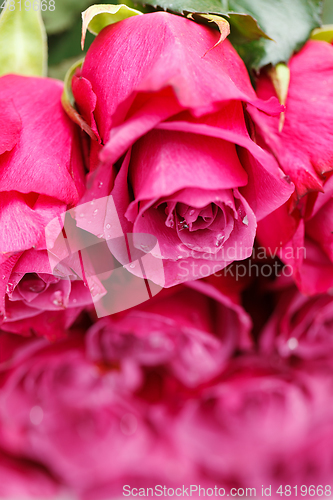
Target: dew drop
x,y
100,236
182,225
58,299
36,415
246,220
219,240
3,277
92,202
108,226
292,343
128,424
100,184
81,215
74,301
191,212
95,212
132,266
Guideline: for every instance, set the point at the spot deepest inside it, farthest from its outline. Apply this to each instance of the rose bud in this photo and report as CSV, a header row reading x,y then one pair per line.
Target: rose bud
x,y
175,152
42,175
303,146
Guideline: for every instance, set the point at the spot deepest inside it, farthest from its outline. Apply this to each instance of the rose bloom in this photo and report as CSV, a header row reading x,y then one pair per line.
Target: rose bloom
x,y
174,150
42,175
262,425
193,331
299,326
303,239
75,405
304,146
300,232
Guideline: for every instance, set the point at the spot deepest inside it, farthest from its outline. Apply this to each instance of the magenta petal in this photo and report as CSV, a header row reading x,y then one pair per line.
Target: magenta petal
x,y
85,100
160,156
10,126
267,187
304,148
147,111
176,53
47,151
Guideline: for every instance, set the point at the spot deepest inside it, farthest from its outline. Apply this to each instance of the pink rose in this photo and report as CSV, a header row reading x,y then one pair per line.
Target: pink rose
x,y
42,175
192,332
262,425
304,147
170,116
300,326
303,239
39,303
300,231
76,404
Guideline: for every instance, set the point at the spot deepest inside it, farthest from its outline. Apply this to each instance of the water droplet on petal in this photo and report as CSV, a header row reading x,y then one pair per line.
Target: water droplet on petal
x,y
292,343
95,212
191,212
219,240
74,301
36,415
108,226
132,266
182,225
246,220
100,184
100,236
92,202
81,215
3,277
58,298
128,424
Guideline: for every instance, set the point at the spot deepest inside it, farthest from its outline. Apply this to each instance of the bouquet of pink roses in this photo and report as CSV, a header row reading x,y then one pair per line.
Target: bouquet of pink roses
x,y
166,253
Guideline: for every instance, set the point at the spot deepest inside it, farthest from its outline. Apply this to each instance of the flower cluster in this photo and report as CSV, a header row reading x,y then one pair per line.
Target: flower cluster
x,y
137,347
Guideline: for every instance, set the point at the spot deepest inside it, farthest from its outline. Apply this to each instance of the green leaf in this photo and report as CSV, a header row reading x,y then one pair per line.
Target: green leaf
x,y
97,17
64,15
23,45
328,12
287,24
